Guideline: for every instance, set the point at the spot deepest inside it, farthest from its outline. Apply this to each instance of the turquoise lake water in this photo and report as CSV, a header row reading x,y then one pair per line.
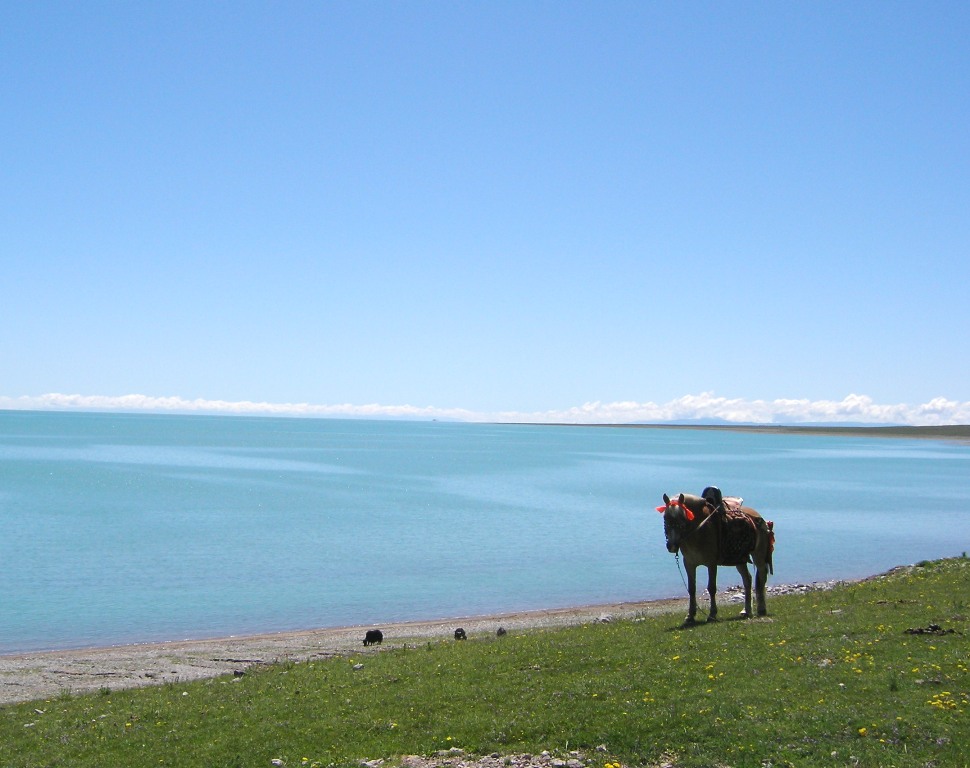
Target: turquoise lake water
x,y
119,528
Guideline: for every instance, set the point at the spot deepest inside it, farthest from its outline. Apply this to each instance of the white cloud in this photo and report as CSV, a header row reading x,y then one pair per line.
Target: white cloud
x,y
704,406
56,401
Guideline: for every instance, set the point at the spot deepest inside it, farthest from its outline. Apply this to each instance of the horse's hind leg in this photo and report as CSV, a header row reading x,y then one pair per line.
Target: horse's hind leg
x,y
711,590
760,582
746,580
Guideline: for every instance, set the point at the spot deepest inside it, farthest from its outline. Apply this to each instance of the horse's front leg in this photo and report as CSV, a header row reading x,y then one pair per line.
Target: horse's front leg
x,y
712,590
691,594
746,580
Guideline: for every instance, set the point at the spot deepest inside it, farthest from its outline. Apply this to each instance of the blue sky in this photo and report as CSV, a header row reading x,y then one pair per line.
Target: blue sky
x,y
529,210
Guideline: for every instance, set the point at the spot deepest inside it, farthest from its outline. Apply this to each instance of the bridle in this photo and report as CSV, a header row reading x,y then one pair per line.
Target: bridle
x,y
686,532
689,516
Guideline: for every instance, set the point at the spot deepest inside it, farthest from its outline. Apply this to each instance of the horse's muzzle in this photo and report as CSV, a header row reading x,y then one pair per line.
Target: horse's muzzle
x,y
672,548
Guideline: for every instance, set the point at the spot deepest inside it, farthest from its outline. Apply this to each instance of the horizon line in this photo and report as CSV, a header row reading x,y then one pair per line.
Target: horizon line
x,y
702,409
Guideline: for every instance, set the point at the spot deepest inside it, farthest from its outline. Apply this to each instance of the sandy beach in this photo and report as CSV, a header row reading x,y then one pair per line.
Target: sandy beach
x,y
33,676
955,432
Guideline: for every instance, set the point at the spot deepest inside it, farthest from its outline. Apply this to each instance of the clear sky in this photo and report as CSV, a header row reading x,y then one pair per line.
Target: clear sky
x,y
586,211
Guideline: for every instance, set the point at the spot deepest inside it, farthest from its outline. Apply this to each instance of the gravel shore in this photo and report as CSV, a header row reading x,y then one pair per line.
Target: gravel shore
x,y
34,676
31,676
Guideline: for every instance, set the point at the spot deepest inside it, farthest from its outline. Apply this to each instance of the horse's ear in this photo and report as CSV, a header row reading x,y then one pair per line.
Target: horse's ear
x,y
666,500
687,511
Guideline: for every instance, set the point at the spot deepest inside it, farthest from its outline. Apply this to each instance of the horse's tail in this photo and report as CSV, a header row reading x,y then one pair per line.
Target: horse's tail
x,y
766,538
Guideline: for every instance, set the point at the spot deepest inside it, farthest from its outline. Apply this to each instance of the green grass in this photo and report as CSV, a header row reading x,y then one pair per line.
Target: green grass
x,y
829,679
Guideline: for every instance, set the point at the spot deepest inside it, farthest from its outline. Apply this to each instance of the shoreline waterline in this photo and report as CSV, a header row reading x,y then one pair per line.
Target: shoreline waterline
x,y
42,675
959,432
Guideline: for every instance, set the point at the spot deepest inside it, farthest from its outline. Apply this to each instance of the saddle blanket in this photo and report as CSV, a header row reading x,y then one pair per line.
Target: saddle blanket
x,y
738,534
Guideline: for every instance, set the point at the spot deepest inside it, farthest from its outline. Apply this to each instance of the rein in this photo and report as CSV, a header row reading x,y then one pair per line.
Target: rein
x,y
706,520
681,570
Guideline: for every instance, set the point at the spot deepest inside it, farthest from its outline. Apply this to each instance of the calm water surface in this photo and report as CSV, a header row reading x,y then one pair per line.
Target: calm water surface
x,y
132,528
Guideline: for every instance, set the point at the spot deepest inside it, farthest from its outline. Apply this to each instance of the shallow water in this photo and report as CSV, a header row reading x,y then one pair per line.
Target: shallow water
x,y
128,528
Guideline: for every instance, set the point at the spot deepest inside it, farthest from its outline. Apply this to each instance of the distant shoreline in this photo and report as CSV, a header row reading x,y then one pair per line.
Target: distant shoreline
x,y
958,432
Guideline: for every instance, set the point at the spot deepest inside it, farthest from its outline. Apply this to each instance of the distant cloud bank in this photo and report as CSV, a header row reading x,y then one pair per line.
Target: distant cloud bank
x,y
856,409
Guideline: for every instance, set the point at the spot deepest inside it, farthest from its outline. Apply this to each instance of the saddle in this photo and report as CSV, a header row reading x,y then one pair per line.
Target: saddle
x,y
737,534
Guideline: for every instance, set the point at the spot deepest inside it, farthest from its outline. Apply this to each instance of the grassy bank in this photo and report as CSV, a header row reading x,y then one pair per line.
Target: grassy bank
x,y
841,677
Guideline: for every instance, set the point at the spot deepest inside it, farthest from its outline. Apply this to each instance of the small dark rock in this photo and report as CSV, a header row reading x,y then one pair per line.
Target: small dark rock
x,y
929,629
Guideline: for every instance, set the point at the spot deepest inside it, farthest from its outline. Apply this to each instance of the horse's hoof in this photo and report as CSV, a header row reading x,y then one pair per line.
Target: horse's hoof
x,y
711,619
763,613
745,615
690,621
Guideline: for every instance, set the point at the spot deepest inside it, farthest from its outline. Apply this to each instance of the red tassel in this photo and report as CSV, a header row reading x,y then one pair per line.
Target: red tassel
x,y
687,513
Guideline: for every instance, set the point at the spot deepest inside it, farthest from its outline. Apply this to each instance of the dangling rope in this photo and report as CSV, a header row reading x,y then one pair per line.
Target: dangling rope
x,y
680,570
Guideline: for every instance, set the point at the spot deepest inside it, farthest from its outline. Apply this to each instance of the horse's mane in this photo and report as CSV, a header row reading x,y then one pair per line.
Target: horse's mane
x,y
696,503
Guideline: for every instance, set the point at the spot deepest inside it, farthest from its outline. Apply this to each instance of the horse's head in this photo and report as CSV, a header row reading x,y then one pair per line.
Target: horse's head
x,y
677,516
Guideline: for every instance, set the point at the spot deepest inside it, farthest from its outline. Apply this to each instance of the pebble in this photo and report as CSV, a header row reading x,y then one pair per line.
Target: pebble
x,y
456,758
736,593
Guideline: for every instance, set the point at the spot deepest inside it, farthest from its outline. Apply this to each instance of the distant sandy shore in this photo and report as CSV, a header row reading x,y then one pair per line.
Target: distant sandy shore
x,y
960,432
33,676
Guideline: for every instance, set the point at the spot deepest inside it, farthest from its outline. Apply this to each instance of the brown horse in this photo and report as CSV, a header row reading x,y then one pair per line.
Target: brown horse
x,y
695,528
